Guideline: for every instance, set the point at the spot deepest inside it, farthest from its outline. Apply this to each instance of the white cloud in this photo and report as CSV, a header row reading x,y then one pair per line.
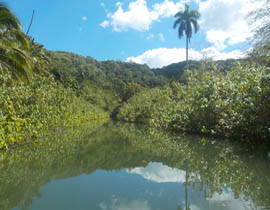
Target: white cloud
x,y
168,8
225,21
228,200
160,57
120,204
157,172
150,36
215,54
139,17
161,37
102,4
217,37
84,18
164,56
104,24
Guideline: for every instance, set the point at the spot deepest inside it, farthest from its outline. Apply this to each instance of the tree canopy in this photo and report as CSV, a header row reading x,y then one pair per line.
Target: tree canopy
x,y
186,21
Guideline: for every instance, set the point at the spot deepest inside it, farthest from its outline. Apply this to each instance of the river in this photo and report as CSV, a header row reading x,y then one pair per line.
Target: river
x,y
124,167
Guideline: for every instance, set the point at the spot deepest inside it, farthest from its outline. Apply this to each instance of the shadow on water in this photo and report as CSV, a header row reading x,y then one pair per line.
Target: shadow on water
x,y
207,174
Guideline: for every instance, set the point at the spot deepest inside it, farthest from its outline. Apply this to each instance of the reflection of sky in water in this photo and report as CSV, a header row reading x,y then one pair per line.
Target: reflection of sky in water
x,y
154,187
117,204
157,172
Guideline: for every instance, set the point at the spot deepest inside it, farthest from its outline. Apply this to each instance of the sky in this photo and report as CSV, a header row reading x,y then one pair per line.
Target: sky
x,y
140,31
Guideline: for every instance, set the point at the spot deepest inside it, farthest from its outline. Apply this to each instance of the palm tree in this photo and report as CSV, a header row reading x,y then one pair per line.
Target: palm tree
x,y
185,20
7,19
14,46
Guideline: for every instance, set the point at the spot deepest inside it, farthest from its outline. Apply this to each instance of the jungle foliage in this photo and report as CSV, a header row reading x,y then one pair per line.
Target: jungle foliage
x,y
31,100
114,78
41,90
232,104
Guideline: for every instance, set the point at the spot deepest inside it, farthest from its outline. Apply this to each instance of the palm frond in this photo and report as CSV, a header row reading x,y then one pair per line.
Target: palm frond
x,y
194,14
185,20
195,25
179,14
181,30
177,22
188,30
7,19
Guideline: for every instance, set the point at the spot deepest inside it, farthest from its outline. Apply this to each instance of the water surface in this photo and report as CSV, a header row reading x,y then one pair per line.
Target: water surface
x,y
122,167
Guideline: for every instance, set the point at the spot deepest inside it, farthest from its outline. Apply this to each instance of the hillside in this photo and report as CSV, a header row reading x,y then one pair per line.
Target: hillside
x,y
176,70
69,66
74,70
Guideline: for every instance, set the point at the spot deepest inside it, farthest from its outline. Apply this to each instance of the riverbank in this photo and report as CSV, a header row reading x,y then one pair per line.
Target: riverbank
x,y
32,110
234,104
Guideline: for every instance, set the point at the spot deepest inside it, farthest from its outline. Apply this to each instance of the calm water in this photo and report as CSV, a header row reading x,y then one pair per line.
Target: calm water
x,y
121,167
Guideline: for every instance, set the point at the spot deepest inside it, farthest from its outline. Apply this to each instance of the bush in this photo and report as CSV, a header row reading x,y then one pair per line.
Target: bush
x,y
30,110
231,104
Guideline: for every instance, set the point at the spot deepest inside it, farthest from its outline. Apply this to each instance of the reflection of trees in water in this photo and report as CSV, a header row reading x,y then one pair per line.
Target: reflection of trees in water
x,y
208,166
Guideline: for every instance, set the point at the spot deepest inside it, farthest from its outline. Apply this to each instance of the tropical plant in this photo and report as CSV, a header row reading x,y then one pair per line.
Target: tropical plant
x,y
185,20
7,19
14,46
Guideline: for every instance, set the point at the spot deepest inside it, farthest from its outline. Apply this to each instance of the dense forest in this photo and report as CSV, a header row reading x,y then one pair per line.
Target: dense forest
x,y
43,90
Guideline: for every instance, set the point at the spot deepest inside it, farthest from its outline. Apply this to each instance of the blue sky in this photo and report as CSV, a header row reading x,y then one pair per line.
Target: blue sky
x,y
136,30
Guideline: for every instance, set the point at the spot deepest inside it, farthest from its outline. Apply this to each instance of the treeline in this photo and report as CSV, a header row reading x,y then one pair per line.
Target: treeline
x,y
115,81
234,104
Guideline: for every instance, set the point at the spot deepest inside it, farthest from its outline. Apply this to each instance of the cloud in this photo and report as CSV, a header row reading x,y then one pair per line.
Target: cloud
x,y
215,54
224,21
161,37
164,56
102,4
84,18
228,200
150,36
104,24
139,17
160,57
168,8
157,172
120,204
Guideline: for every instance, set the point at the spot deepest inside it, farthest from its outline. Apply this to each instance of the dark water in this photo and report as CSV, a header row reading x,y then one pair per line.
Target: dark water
x,y
121,167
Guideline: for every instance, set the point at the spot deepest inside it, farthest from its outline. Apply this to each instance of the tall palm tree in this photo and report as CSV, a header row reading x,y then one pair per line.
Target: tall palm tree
x,y
14,46
187,20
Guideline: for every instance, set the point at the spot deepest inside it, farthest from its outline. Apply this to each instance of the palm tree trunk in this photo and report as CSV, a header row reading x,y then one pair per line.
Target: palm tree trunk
x,y
186,191
187,52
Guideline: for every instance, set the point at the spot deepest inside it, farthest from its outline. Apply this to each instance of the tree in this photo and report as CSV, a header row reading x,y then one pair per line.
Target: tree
x,y
260,20
7,19
186,21
14,46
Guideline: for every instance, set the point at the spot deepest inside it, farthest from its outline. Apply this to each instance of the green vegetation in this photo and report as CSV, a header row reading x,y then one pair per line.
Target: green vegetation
x,y
231,104
185,20
28,111
110,77
43,90
32,102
